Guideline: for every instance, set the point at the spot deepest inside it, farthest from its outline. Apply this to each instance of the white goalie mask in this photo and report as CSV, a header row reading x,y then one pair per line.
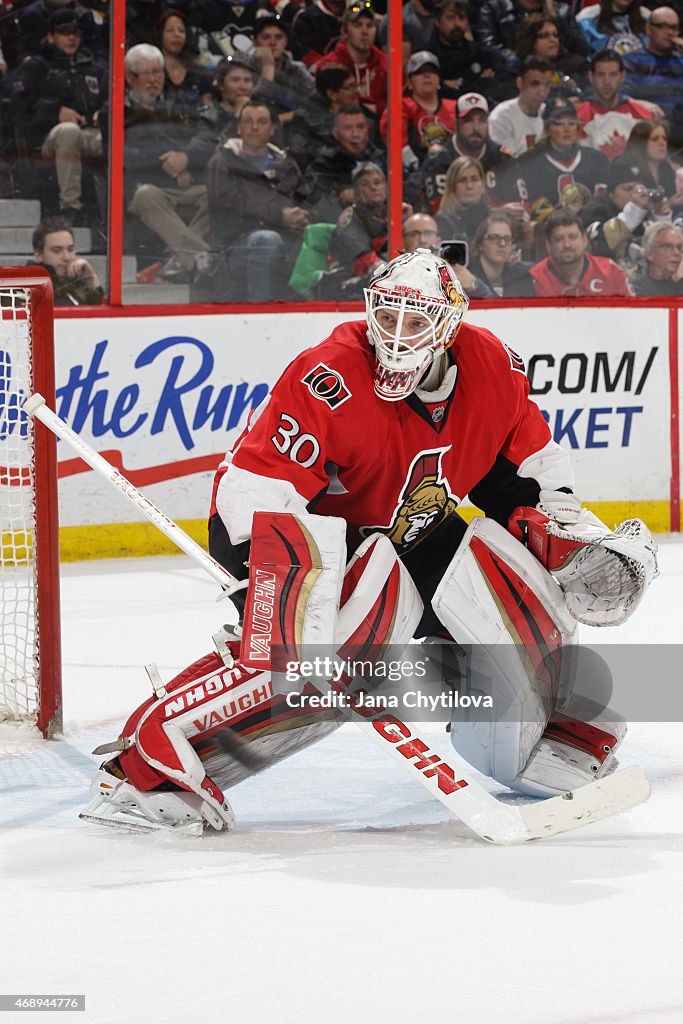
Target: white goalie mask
x,y
415,305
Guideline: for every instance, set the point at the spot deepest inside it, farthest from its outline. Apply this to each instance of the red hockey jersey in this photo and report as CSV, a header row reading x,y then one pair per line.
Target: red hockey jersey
x,y
324,442
601,276
422,128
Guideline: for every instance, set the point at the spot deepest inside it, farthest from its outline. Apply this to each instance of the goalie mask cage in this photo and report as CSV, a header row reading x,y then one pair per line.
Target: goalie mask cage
x,y
30,652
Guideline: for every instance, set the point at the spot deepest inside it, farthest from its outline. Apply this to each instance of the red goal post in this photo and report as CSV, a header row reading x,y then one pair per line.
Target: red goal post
x,y
30,646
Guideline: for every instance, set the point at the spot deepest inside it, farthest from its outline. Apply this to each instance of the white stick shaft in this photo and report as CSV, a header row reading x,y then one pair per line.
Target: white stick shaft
x,y
35,406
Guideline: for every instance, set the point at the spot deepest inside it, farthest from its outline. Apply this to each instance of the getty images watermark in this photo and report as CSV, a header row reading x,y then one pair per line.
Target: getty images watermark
x,y
443,682
336,672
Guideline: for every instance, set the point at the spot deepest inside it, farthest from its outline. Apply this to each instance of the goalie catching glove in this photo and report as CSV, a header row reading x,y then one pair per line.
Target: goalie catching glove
x,y
603,573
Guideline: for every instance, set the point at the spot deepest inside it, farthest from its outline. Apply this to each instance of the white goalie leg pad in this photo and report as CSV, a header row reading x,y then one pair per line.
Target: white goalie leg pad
x,y
380,604
577,747
496,597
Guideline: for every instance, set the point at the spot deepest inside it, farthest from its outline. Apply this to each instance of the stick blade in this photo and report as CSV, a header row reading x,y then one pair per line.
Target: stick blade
x,y
593,802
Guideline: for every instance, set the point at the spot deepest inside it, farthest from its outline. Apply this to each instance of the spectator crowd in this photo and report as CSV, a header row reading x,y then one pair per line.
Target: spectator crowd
x,y
547,136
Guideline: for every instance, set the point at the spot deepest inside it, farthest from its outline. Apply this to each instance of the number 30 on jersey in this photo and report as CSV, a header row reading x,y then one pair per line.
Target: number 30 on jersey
x,y
303,449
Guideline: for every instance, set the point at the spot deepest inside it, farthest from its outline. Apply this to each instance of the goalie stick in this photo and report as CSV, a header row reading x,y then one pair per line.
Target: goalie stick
x,y
451,781
35,406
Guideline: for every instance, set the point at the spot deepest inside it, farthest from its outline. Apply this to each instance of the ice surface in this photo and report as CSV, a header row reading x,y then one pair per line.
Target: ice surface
x,y
346,895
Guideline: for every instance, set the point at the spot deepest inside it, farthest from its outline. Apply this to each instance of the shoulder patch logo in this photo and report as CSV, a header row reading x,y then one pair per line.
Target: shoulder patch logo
x,y
327,385
516,361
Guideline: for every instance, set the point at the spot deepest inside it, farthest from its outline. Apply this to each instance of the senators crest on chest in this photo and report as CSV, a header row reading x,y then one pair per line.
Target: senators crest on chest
x,y
425,500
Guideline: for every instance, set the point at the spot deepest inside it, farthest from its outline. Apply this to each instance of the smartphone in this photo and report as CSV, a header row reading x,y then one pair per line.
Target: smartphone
x,y
455,250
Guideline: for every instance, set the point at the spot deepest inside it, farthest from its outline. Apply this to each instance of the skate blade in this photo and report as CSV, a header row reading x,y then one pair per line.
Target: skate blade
x,y
125,823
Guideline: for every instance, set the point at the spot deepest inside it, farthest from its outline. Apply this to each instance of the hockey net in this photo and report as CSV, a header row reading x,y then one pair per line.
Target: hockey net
x,y
30,649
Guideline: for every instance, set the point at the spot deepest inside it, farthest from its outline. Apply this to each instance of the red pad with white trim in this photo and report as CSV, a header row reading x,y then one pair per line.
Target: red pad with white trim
x,y
296,569
172,737
530,526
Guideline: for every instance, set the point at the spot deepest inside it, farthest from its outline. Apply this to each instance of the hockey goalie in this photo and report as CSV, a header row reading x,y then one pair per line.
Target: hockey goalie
x,y
338,508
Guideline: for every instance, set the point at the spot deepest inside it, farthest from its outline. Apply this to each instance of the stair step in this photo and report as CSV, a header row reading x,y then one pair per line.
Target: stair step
x,y
155,294
129,268
15,239
17,213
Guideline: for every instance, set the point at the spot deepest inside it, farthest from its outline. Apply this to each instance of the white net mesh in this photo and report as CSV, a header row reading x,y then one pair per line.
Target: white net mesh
x,y
18,580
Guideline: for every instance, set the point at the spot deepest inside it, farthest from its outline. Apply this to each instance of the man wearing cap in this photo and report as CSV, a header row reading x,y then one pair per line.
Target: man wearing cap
x,y
569,269
471,138
620,216
33,25
282,82
557,161
608,115
356,50
56,98
517,124
464,66
428,120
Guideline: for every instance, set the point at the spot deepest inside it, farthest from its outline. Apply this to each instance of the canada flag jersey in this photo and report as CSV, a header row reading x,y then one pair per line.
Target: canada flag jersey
x,y
324,441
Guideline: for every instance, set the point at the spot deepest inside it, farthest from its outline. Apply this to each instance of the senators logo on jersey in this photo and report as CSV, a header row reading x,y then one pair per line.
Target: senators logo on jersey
x,y
327,385
425,502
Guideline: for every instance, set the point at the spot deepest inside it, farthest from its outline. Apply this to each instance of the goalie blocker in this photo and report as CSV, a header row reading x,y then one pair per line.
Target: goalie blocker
x,y
170,771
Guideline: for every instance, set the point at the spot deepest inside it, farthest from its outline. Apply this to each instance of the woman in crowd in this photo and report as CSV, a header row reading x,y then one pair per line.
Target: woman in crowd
x,y
648,149
464,204
558,159
539,35
188,83
495,259
617,24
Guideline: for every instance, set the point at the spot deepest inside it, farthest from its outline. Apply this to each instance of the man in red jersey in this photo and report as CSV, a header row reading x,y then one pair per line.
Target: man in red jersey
x,y
569,269
369,442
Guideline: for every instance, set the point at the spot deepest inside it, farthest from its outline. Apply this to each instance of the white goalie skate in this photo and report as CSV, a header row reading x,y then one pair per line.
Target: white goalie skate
x,y
117,804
